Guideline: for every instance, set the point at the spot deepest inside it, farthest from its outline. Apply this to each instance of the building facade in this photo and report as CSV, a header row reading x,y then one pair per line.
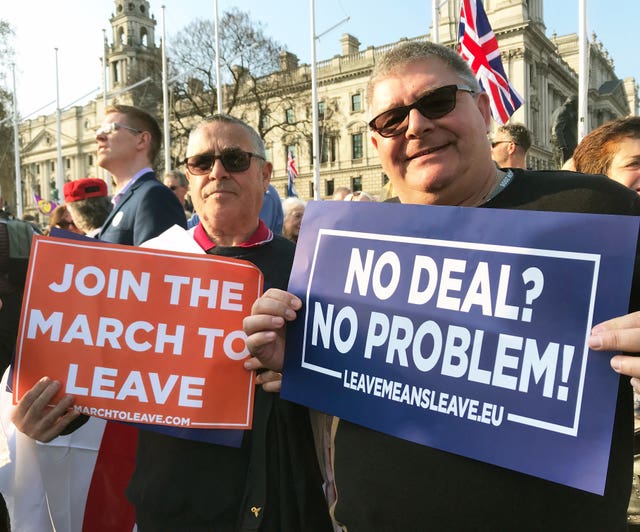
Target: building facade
x,y
543,70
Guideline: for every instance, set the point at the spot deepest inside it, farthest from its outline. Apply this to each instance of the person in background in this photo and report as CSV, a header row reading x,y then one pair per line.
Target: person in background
x,y
430,124
177,182
359,195
340,193
62,219
129,141
293,209
613,149
88,202
271,211
510,145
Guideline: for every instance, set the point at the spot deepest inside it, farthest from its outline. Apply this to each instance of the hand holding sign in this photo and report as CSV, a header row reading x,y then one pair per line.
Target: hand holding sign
x,y
35,417
265,328
620,334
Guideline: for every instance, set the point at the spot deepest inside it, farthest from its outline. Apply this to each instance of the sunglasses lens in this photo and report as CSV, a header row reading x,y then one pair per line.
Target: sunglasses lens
x,y
387,123
438,103
235,160
200,165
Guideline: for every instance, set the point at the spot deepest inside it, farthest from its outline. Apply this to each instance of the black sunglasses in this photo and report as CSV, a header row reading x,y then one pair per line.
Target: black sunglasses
x,y
496,142
233,159
434,104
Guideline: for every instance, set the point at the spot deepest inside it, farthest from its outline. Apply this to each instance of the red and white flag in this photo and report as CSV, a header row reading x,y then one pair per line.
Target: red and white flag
x,y
75,483
478,46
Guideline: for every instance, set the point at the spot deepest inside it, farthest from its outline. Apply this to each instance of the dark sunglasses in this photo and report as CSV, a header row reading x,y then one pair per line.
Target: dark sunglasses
x,y
434,104
496,142
234,160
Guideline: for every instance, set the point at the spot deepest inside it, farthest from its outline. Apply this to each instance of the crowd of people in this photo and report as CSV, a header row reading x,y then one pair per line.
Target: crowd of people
x,y
299,470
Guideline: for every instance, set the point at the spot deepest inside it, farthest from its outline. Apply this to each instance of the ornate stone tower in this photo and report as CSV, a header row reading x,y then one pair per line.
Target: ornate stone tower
x,y
132,55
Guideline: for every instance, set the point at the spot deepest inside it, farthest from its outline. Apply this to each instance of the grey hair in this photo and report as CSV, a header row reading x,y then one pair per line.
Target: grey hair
x,y
256,141
288,204
177,174
413,51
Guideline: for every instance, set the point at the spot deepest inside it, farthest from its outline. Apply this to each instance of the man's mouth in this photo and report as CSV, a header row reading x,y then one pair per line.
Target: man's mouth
x,y
427,151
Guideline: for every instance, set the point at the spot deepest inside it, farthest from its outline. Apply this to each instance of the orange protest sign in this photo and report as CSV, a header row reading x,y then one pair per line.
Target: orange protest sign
x,y
139,335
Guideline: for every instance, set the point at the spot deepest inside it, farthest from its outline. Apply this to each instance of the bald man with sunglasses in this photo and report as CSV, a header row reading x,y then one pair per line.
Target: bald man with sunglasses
x,y
430,125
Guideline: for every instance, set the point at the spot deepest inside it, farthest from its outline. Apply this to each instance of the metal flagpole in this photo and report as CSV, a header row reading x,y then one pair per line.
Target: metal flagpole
x,y
314,108
165,99
60,169
435,30
583,72
217,39
16,148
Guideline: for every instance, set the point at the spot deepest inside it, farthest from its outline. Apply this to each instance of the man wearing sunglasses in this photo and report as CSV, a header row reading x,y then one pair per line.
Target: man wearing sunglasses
x,y
510,145
430,124
128,143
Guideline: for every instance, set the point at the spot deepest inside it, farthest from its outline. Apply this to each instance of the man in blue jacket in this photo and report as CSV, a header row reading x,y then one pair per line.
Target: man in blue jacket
x,y
128,142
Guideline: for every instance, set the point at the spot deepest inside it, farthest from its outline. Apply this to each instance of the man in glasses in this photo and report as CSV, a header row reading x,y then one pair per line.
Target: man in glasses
x,y
430,124
271,482
510,145
129,141
176,181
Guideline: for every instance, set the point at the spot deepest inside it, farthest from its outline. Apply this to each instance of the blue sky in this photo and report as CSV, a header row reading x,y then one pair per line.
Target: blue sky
x,y
79,38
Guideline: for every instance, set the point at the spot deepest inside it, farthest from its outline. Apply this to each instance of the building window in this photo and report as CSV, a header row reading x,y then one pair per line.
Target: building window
x,y
264,121
356,184
329,187
385,179
357,146
290,117
267,153
90,159
328,150
37,169
356,102
52,166
68,161
321,109
311,190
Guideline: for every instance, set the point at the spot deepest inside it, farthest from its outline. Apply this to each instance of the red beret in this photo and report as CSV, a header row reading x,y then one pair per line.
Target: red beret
x,y
89,187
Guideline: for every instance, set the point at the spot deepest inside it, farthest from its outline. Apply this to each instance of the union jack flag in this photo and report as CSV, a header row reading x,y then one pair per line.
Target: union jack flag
x,y
478,46
292,173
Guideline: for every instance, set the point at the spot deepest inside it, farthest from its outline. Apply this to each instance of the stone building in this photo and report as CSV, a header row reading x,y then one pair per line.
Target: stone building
x,y
543,70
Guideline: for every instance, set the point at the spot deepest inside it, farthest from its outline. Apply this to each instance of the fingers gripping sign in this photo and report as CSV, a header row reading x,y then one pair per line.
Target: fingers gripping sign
x,y
36,417
265,327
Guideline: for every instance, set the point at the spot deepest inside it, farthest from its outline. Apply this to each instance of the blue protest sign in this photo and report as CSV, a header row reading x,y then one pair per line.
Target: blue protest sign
x,y
463,329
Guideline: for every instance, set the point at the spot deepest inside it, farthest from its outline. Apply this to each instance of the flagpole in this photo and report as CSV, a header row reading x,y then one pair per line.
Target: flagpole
x,y
314,108
16,147
165,98
217,39
583,71
435,22
59,176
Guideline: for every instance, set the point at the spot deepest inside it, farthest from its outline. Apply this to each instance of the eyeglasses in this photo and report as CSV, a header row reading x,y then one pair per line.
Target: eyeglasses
x,y
234,160
496,142
107,129
434,104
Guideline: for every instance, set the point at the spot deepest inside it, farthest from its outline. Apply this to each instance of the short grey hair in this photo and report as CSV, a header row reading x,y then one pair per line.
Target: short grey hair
x,y
256,141
410,52
177,174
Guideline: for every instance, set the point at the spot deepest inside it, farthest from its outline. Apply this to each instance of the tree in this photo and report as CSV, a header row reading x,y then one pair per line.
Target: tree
x,y
7,162
252,78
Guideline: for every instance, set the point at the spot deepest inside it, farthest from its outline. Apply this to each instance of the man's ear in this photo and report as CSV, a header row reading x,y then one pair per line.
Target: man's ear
x,y
485,109
267,169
